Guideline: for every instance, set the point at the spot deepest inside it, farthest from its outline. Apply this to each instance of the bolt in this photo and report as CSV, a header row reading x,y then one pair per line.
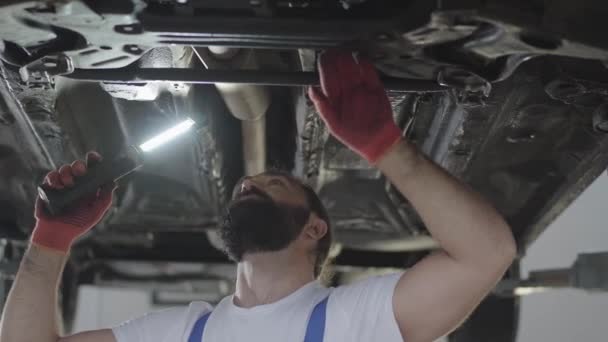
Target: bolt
x,y
132,48
130,28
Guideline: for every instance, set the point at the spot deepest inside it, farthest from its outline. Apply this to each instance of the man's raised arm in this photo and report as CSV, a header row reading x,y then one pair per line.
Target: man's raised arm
x,y
30,313
477,245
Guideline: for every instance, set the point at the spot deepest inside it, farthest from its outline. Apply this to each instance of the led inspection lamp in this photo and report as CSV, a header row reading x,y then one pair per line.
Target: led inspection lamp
x,y
105,172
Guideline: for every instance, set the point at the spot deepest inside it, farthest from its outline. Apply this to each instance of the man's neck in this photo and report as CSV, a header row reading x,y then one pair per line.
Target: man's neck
x,y
264,278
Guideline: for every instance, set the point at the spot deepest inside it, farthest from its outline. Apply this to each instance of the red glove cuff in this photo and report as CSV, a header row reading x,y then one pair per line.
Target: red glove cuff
x,y
386,137
52,236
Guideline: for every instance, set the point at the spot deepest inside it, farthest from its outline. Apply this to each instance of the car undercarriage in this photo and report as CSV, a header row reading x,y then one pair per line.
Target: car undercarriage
x,y
509,96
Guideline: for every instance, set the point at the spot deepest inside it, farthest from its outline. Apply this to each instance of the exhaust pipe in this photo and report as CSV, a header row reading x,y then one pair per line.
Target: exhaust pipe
x,y
246,102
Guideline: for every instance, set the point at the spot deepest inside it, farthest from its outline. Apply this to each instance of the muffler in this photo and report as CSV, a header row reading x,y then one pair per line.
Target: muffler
x,y
246,102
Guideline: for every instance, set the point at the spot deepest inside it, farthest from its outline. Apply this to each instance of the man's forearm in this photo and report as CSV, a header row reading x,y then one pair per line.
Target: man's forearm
x,y
465,225
30,313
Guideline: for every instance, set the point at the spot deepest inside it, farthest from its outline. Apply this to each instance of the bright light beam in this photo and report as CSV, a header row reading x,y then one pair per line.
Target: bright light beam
x,y
167,135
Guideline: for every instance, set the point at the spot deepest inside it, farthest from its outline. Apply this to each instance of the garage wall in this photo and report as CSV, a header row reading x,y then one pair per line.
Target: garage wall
x,y
555,316
569,315
106,307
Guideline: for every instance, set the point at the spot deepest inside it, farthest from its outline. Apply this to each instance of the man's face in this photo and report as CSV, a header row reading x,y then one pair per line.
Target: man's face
x,y
266,214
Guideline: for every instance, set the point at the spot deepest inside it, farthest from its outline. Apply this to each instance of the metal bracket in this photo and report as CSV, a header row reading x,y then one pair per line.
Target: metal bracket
x,y
46,67
274,78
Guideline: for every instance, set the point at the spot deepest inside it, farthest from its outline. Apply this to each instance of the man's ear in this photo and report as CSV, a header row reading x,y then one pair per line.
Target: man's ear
x,y
315,228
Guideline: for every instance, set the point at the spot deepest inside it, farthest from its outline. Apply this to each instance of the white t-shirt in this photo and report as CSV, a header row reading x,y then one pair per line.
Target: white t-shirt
x,y
359,312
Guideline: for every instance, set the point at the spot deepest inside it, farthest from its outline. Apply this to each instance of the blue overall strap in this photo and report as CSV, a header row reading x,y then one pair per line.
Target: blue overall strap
x,y
199,327
316,323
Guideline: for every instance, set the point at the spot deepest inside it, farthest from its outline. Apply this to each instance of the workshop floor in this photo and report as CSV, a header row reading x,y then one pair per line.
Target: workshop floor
x,y
556,316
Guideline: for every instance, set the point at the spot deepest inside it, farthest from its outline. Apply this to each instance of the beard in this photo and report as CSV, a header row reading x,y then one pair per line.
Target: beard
x,y
255,223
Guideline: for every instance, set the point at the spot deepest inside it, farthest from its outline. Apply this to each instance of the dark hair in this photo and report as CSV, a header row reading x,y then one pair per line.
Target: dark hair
x,y
324,244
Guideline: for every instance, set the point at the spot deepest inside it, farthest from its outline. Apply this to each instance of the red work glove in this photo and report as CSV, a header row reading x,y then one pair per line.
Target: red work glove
x,y
59,232
354,105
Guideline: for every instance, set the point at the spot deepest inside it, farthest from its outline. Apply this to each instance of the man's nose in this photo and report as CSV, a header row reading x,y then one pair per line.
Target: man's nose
x,y
246,184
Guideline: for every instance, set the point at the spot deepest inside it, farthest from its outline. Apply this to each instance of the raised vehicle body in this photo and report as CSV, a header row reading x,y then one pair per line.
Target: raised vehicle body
x,y
509,96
